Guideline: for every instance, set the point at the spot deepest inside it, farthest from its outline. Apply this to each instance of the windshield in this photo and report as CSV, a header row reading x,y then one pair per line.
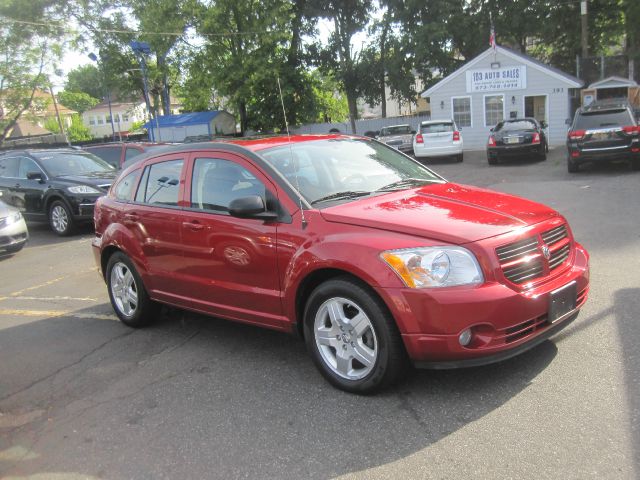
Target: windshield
x,y
515,125
59,164
397,130
346,168
436,127
594,120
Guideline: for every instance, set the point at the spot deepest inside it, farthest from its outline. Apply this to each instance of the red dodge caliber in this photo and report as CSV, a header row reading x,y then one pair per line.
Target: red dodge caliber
x,y
370,256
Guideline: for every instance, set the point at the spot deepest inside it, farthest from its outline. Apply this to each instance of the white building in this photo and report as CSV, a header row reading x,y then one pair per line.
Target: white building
x,y
502,84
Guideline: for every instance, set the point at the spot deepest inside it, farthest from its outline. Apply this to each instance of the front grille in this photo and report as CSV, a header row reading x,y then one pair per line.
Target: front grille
x,y
526,271
522,261
554,235
517,249
524,329
558,257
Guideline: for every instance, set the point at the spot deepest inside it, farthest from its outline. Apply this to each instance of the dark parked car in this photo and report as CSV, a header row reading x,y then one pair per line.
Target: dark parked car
x,y
369,255
116,154
60,186
518,137
603,131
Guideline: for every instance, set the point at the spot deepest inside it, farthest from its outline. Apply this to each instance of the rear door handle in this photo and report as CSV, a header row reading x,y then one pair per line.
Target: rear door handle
x,y
194,225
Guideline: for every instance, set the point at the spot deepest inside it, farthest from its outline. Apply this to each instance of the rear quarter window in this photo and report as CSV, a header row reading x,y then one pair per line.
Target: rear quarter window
x,y
124,188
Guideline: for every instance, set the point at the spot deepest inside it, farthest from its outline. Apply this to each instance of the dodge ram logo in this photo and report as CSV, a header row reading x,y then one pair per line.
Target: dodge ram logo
x,y
545,252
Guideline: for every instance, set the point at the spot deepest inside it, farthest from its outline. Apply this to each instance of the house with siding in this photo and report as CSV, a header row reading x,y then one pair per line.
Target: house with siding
x,y
501,84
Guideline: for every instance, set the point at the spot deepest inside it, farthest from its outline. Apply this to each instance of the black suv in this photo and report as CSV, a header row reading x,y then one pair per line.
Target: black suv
x,y
60,186
116,154
603,131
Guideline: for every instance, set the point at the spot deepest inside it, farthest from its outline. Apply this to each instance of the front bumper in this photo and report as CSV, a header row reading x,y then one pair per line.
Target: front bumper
x,y
82,206
14,234
504,321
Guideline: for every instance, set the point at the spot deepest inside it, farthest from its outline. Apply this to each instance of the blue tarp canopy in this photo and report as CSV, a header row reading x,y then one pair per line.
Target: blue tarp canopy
x,y
183,119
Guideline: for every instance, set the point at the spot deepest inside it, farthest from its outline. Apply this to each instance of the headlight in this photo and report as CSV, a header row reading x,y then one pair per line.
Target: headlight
x,y
13,218
83,189
430,267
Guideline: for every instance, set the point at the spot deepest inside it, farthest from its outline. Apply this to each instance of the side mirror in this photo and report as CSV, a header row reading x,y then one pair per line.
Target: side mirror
x,y
251,206
35,176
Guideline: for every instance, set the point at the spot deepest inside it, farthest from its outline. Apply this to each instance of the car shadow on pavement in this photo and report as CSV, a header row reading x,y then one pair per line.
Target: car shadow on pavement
x,y
195,397
627,313
40,234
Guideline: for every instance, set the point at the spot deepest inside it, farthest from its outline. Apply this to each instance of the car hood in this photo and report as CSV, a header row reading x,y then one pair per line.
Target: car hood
x,y
93,179
446,212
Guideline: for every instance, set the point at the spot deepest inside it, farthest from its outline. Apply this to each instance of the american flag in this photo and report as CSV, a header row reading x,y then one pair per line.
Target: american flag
x,y
492,38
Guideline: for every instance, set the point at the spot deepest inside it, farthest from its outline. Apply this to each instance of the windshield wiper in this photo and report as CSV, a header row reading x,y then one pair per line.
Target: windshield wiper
x,y
406,182
341,196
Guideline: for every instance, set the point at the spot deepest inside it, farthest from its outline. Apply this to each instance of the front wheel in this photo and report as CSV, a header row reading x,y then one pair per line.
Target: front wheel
x,y
128,296
60,219
352,337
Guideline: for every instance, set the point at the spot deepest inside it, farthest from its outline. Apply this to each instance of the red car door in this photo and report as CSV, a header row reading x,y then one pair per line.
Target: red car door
x,y
230,264
154,218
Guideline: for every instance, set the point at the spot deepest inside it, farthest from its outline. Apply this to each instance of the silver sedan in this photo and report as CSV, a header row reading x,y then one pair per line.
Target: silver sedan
x,y
13,229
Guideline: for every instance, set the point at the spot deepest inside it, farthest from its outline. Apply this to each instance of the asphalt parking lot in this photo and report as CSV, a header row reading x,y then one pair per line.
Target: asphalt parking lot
x,y
83,396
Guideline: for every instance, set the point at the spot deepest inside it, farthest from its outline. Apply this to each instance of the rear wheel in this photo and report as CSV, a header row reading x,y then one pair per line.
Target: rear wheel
x,y
460,157
635,164
60,219
352,337
492,160
542,156
127,293
572,166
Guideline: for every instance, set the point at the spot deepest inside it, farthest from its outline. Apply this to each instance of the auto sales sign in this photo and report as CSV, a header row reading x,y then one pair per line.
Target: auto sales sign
x,y
497,79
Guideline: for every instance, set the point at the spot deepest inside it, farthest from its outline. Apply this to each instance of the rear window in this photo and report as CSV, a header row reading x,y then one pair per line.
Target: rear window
x,y
610,118
111,155
519,125
398,130
436,127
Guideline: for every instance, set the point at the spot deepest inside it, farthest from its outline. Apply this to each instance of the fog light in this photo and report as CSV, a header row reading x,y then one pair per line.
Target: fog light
x,y
465,338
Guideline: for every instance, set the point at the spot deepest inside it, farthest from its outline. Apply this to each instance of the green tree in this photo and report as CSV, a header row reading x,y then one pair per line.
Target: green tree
x,y
26,54
78,101
86,79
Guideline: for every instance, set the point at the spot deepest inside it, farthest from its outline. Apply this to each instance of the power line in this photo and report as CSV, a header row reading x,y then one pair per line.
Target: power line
x,y
132,32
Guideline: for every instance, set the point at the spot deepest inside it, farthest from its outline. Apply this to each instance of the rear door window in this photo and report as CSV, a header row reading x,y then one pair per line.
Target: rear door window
x,y
437,127
110,155
160,184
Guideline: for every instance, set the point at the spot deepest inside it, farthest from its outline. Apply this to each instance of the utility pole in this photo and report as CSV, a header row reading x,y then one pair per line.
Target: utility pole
x,y
584,28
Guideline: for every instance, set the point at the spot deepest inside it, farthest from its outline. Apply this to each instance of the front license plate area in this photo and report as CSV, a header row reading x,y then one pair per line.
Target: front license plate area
x,y
562,301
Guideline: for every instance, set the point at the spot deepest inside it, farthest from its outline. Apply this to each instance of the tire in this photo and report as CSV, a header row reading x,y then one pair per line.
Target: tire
x,y
635,164
460,158
60,219
572,166
542,156
492,160
360,357
128,296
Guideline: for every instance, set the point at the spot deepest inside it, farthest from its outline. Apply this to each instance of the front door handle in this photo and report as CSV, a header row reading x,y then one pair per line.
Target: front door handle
x,y
194,225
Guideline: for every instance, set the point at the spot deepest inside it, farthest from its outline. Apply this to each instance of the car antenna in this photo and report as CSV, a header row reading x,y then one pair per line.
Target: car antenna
x,y
293,160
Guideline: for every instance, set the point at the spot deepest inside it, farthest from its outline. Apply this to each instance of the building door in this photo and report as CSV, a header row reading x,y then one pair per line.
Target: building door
x,y
535,106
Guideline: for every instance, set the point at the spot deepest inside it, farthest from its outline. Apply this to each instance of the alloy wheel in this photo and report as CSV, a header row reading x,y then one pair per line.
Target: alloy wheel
x,y
124,289
345,338
59,218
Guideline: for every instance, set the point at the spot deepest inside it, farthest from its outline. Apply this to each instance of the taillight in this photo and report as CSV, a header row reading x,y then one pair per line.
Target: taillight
x,y
456,136
419,138
536,138
577,134
492,141
631,130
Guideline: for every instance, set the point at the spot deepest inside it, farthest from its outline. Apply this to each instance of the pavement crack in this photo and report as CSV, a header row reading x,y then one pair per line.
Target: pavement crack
x,y
66,367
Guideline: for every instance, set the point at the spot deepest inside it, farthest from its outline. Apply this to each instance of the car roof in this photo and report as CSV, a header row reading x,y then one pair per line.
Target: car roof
x,y
400,125
30,151
605,105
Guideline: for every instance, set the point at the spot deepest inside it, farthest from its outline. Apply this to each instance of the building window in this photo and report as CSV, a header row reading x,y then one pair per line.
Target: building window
x,y
92,120
100,119
493,110
461,107
125,117
108,118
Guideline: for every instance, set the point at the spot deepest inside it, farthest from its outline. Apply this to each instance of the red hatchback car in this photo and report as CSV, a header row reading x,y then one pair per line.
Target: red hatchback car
x,y
370,256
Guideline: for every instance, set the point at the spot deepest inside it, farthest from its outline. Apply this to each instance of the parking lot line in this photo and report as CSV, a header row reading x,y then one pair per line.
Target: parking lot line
x,y
57,313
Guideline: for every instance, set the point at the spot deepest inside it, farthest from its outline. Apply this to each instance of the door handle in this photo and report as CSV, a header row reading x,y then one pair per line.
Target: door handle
x,y
195,226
